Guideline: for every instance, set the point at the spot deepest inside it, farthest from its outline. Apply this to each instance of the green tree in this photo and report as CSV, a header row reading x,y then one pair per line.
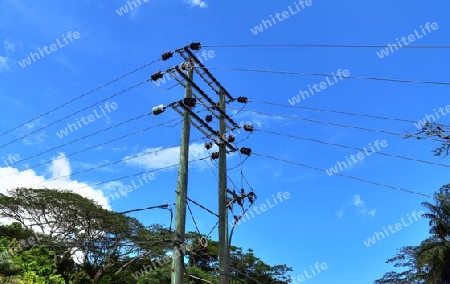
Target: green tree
x,y
428,262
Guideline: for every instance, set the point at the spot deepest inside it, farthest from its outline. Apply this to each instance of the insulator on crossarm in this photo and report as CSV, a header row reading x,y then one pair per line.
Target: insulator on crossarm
x,y
248,127
195,46
246,151
167,55
243,100
215,155
208,145
158,109
157,75
190,102
231,139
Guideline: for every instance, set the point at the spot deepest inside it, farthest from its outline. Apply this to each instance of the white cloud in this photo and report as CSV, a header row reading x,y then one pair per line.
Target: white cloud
x,y
4,65
10,47
340,213
165,157
359,206
198,3
13,178
357,201
37,138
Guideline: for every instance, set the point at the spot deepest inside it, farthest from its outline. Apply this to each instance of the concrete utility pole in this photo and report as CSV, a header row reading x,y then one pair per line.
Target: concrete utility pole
x,y
224,253
182,183
224,143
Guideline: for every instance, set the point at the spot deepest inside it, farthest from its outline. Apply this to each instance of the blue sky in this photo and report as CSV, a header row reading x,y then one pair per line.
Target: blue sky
x,y
326,219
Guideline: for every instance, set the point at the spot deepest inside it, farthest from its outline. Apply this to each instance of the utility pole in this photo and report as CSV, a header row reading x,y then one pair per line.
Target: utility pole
x,y
182,183
224,253
224,142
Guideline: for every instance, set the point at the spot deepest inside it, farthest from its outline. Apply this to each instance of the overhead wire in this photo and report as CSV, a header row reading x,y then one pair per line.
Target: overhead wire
x,y
343,175
324,46
336,111
112,214
91,147
111,163
352,148
84,137
72,114
81,96
137,174
341,125
330,75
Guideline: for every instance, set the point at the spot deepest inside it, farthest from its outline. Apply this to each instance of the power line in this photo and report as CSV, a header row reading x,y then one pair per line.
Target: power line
x,y
324,46
342,175
80,96
91,147
111,163
354,148
86,136
203,207
112,214
124,177
97,145
330,75
76,112
341,125
336,111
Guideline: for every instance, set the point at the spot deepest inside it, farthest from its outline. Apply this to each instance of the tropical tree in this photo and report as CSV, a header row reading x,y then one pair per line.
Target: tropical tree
x,y
427,263
61,237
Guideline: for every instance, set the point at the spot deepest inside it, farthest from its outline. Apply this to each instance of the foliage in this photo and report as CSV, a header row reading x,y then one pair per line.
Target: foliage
x,y
76,241
429,261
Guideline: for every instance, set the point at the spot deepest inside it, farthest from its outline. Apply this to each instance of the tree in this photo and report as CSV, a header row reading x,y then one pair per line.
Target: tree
x,y
79,242
436,131
77,227
429,261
